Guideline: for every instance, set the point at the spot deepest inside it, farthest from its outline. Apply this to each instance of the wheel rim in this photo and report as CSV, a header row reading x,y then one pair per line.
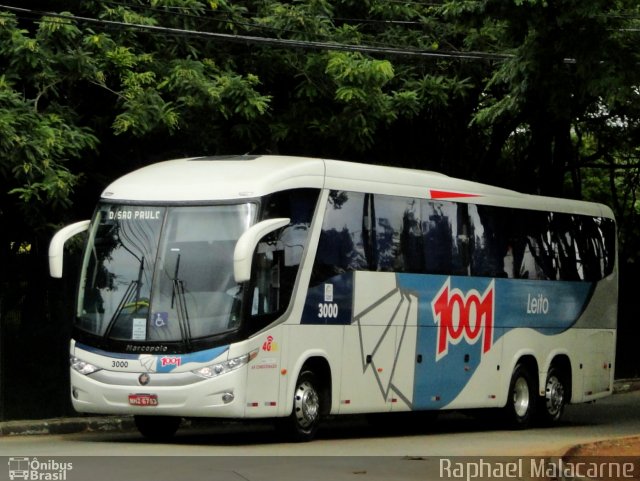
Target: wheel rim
x,y
554,395
521,397
307,405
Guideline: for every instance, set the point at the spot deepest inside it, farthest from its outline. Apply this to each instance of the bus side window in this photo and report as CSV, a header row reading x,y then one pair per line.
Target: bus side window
x,y
341,247
267,265
278,255
271,281
443,238
570,263
399,236
492,254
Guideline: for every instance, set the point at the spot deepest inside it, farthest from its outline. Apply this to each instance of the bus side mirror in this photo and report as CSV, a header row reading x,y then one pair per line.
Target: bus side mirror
x,y
56,246
243,253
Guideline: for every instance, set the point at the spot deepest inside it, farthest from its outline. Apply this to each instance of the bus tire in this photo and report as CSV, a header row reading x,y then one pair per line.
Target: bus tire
x,y
521,399
302,424
555,396
157,428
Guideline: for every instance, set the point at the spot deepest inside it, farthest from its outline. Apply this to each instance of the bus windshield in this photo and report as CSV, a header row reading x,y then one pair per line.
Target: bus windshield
x,y
161,274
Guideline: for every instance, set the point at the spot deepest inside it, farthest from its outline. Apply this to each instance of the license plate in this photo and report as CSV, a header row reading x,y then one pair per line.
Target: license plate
x,y
143,399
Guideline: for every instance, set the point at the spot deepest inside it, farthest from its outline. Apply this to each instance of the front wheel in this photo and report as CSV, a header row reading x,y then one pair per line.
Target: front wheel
x,y
301,425
157,428
521,401
555,397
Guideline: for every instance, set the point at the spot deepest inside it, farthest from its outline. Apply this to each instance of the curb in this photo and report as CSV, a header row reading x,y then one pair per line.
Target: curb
x,y
626,385
67,425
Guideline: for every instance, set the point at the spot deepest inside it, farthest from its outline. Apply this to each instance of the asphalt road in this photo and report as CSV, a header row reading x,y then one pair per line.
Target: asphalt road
x,y
346,448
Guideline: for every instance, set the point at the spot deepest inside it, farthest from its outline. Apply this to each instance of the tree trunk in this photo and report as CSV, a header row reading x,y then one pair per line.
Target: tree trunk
x,y
551,150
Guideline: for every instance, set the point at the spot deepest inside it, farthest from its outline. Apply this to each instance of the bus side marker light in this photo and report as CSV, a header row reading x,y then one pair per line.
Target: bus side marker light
x,y
283,372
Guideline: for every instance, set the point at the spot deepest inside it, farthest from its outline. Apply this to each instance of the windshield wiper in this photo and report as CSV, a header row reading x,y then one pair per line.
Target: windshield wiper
x,y
178,295
133,287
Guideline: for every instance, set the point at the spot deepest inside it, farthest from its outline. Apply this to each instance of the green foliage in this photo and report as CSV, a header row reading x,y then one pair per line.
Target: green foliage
x,y
33,148
57,67
85,101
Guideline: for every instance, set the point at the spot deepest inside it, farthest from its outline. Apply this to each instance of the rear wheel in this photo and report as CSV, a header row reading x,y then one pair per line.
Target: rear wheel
x,y
521,401
555,396
157,428
302,424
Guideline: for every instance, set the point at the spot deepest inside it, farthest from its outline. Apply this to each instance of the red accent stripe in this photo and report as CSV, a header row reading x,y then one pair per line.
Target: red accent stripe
x,y
446,194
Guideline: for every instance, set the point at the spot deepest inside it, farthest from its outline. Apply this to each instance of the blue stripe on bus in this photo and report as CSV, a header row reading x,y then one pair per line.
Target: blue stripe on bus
x,y
546,306
165,364
200,357
448,359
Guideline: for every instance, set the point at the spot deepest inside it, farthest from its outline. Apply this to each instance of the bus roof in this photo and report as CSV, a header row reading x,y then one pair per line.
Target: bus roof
x,y
204,179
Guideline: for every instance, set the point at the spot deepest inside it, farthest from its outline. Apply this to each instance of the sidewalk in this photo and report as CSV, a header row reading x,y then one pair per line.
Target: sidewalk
x,y
77,424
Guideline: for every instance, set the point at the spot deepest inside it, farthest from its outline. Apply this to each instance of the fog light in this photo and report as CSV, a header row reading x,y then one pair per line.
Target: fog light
x,y
227,397
74,393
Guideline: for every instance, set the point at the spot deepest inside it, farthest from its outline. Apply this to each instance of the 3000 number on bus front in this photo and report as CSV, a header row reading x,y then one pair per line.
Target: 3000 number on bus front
x,y
326,309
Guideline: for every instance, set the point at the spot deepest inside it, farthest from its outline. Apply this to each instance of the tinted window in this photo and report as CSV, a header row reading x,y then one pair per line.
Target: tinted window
x,y
492,246
446,237
401,234
341,245
278,256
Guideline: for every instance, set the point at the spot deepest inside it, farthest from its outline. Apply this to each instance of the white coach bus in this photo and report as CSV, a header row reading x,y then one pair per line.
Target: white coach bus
x,y
295,288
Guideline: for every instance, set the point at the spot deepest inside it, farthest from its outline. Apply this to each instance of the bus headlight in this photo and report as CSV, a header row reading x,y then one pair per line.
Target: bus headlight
x,y
82,367
220,368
